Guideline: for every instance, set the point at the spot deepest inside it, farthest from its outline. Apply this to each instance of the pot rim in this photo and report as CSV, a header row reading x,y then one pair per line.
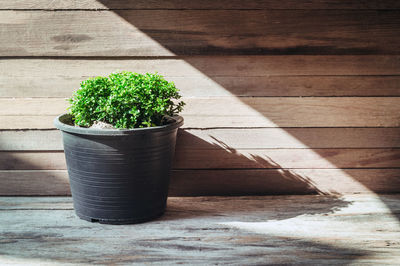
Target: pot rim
x,y
59,124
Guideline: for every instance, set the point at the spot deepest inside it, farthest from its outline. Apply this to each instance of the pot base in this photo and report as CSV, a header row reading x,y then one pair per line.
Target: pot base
x,y
120,221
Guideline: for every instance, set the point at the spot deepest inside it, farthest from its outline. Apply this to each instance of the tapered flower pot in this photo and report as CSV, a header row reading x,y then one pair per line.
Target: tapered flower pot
x,y
119,176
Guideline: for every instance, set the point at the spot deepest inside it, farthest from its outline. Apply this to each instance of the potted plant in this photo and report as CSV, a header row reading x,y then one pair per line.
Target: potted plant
x,y
119,141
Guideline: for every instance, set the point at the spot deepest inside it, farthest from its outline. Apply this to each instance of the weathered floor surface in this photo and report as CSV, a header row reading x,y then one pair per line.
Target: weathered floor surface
x,y
313,230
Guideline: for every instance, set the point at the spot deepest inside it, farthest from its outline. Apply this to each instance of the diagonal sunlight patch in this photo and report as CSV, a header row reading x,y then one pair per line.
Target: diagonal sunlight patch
x,y
321,184
324,182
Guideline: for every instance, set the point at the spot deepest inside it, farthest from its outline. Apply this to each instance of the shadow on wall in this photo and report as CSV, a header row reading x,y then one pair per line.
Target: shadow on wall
x,y
203,168
267,32
200,168
188,32
194,32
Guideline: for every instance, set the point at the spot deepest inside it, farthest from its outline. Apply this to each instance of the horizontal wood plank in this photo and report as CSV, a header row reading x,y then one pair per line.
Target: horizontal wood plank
x,y
235,112
214,86
267,138
199,32
51,183
199,66
204,4
282,181
352,229
215,76
214,158
226,182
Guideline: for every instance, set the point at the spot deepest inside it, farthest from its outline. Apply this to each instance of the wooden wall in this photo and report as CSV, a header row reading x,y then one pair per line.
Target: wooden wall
x,y
283,97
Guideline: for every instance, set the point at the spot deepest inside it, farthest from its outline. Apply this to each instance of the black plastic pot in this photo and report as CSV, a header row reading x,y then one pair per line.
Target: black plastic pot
x,y
119,176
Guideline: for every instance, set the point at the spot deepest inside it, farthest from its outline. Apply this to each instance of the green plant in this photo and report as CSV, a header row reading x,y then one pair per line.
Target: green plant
x,y
125,100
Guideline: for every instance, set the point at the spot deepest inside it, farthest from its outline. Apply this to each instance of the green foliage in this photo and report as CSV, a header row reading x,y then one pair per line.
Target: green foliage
x,y
125,100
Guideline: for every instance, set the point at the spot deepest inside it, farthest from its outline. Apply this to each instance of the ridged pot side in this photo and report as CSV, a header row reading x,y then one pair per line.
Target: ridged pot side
x,y
119,176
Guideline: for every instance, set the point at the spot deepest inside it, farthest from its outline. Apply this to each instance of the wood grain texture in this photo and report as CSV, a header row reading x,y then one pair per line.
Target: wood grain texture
x,y
284,181
220,158
234,112
267,138
274,50
354,229
51,183
192,86
199,32
225,182
203,66
204,4
215,76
